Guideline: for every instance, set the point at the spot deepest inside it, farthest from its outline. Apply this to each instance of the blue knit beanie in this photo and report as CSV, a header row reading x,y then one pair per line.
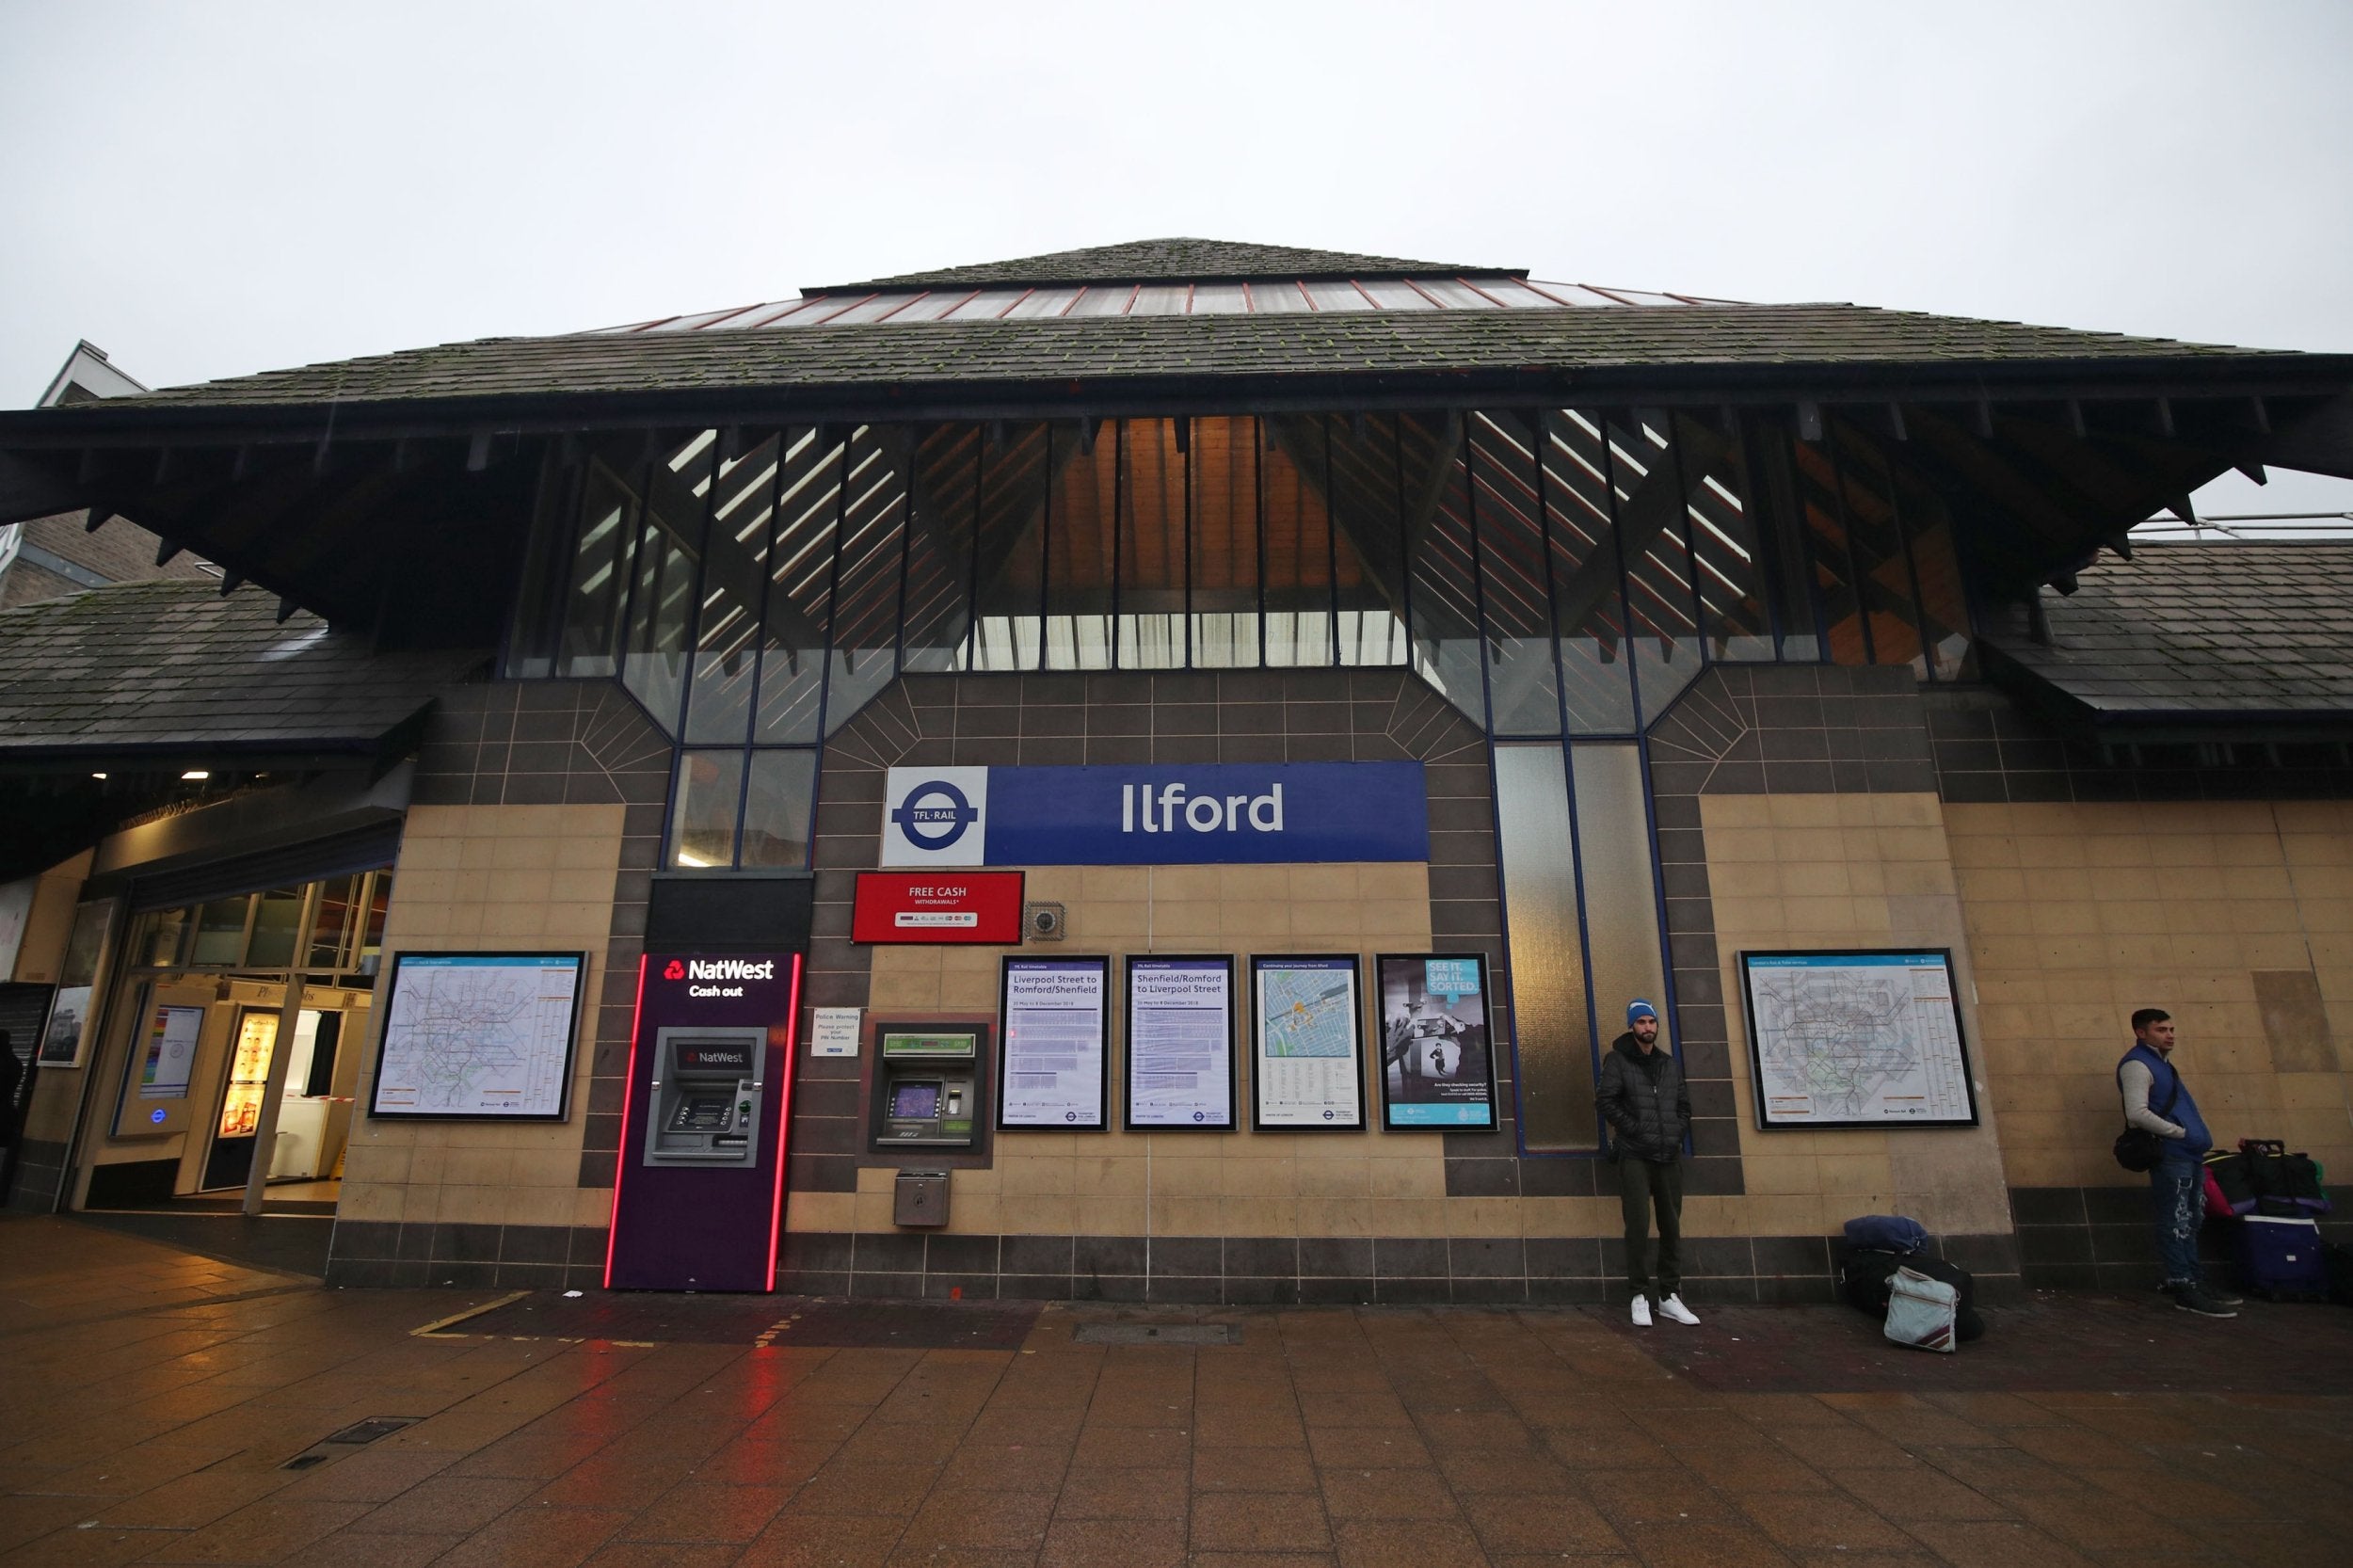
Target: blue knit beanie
x,y
1638,1010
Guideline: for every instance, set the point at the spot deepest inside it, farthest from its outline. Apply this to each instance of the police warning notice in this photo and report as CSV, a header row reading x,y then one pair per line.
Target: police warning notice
x,y
479,1034
1857,1039
1180,1042
1051,1072
1307,1058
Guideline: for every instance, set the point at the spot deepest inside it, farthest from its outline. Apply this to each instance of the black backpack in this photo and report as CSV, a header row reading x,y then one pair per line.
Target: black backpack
x,y
1865,1279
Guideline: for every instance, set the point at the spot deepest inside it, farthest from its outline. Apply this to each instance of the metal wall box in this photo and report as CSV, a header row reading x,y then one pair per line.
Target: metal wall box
x,y
922,1198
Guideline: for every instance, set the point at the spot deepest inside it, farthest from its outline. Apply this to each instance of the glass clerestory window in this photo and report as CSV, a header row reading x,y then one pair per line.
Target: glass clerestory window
x,y
1552,571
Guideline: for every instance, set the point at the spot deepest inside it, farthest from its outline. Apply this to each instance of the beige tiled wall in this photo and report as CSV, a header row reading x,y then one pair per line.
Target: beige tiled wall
x,y
2081,913
492,878
1850,871
1240,1183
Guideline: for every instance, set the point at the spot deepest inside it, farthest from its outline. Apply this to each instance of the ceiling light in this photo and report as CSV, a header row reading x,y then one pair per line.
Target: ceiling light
x,y
197,775
98,775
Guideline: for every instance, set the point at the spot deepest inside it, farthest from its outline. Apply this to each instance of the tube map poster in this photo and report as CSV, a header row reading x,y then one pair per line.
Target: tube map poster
x,y
478,1034
1857,1039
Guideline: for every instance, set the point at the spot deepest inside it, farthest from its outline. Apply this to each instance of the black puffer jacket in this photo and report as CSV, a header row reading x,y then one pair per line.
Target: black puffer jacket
x,y
1646,1103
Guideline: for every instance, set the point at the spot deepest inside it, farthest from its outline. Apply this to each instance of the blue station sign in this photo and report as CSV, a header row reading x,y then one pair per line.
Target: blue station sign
x,y
1221,813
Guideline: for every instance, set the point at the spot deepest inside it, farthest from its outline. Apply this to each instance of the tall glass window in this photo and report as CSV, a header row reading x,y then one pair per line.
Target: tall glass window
x,y
1366,492
1225,549
1444,591
1153,545
727,645
1522,691
938,614
1727,560
798,585
1613,846
1537,843
1082,544
872,557
1009,570
1588,596
1297,540
1883,570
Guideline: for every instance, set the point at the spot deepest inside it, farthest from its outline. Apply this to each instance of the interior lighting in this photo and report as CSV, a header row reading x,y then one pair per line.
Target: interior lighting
x,y
98,775
688,858
196,775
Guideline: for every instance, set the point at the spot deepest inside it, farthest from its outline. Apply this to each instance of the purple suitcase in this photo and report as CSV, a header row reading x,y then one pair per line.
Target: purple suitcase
x,y
2281,1257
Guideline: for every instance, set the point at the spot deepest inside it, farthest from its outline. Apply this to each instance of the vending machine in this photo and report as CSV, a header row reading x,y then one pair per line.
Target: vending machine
x,y
699,1191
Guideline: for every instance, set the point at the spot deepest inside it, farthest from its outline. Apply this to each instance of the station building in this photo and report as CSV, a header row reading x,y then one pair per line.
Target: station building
x,y
1704,629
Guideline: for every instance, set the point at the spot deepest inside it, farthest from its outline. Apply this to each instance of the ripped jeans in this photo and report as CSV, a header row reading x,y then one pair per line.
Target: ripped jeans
x,y
2177,1195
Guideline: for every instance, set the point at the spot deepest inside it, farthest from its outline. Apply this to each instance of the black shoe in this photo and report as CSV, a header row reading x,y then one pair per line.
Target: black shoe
x,y
2223,1298
2189,1297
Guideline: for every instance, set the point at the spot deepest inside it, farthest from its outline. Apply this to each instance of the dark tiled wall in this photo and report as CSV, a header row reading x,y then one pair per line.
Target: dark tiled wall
x,y
374,1253
1258,1270
567,743
37,1175
1069,720
1987,749
1749,731
2100,1238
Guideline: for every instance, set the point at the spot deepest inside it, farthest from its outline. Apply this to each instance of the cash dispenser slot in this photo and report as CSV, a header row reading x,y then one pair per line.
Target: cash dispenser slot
x,y
706,1097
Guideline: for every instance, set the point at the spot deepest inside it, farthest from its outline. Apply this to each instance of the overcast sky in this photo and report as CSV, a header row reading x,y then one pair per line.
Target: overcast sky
x,y
206,190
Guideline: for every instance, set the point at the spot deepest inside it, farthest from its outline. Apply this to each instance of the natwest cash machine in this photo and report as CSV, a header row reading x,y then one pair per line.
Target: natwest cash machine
x,y
698,1193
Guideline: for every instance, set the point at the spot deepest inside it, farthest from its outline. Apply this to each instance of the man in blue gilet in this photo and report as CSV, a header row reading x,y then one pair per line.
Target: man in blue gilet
x,y
2157,1100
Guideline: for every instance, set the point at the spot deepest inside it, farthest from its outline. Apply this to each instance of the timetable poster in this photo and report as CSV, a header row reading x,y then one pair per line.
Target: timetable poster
x,y
1180,1042
1052,1072
1307,1051
1436,1067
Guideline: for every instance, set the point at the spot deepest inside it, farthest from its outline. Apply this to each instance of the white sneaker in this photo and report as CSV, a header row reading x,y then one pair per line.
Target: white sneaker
x,y
1641,1312
1675,1311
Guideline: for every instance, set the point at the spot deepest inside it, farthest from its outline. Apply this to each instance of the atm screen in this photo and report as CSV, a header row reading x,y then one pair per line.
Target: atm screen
x,y
915,1101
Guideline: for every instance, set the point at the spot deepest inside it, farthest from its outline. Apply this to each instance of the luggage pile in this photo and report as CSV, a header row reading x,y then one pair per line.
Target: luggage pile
x,y
2273,1199
1885,1271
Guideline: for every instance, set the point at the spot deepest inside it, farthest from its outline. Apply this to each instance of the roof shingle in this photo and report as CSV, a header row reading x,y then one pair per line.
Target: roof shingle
x,y
2205,631
1243,348
1142,261
172,664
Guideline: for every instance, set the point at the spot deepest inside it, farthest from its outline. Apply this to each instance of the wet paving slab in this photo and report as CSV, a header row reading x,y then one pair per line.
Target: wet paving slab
x,y
159,1407
826,1322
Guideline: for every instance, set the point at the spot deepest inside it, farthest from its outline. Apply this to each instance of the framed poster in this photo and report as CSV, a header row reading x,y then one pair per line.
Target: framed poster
x,y
72,1014
1054,1018
1179,1043
1437,1068
479,1035
1862,1038
1307,1051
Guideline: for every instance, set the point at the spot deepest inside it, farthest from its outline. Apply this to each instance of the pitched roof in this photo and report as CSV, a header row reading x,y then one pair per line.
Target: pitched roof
x,y
174,664
904,361
2199,632
1142,261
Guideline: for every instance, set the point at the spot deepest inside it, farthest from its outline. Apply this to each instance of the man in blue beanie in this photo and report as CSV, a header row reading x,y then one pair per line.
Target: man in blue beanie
x,y
1648,1107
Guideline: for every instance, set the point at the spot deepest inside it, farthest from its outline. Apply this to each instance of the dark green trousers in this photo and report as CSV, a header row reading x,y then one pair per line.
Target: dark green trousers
x,y
1645,1187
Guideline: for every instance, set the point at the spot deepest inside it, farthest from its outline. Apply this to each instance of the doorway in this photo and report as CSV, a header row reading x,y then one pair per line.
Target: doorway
x,y
234,1031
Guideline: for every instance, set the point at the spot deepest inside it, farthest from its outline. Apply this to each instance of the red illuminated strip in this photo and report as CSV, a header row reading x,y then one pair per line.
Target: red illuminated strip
x,y
629,1090
784,1124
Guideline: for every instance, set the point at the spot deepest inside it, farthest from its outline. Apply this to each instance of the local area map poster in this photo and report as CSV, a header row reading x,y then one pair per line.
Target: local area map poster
x,y
1308,1052
479,1035
1180,1042
1437,1069
1857,1039
1051,1072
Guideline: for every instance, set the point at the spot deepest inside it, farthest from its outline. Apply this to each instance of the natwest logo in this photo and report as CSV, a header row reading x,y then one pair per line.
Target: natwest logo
x,y
725,968
674,971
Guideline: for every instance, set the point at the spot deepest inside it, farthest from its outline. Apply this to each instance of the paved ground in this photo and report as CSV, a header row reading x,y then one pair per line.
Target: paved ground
x,y
151,1399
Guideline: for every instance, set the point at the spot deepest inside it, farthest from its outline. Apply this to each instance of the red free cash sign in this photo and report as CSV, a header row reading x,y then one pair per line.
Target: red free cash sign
x,y
939,906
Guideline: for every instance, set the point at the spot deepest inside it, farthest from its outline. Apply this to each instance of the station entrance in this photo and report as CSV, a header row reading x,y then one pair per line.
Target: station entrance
x,y
230,1051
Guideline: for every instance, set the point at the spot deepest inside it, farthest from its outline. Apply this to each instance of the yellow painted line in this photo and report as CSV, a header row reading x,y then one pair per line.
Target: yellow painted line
x,y
436,1328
